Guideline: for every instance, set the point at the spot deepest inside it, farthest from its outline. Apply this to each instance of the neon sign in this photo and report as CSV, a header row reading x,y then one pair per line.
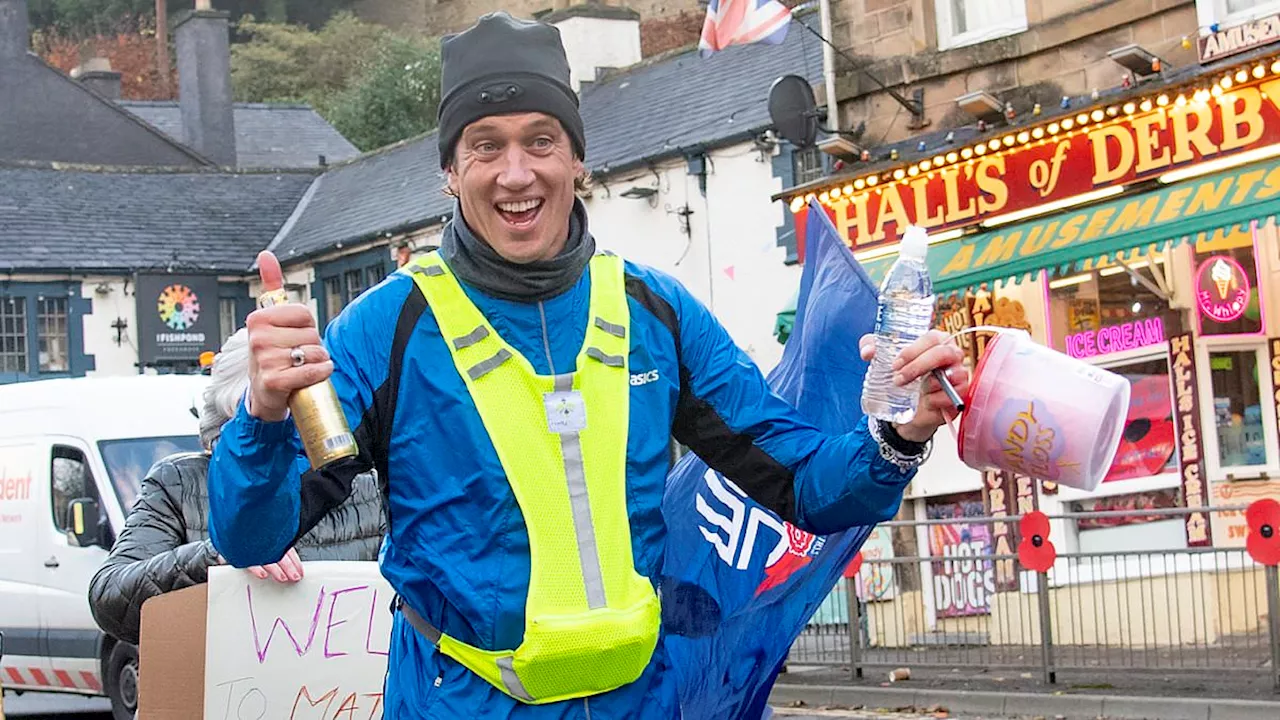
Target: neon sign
x,y
1222,289
1116,338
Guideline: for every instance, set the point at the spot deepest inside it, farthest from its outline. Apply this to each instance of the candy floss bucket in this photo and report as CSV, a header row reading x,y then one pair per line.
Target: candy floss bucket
x,y
1039,413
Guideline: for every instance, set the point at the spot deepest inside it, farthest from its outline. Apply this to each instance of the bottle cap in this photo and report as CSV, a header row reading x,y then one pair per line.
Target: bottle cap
x,y
915,243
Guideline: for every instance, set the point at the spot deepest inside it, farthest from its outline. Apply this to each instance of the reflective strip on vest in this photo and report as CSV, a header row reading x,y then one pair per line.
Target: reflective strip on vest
x,y
591,621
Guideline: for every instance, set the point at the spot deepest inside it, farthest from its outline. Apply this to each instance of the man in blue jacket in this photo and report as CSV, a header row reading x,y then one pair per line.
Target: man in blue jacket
x,y
517,392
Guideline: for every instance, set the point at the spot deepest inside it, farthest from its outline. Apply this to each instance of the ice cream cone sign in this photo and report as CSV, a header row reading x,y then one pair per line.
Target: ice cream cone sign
x,y
1222,277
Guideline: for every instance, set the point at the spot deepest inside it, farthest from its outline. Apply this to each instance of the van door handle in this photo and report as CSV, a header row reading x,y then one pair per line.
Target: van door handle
x,y
52,562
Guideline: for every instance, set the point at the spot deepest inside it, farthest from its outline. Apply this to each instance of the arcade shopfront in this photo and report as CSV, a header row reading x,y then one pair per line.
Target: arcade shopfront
x,y
1139,235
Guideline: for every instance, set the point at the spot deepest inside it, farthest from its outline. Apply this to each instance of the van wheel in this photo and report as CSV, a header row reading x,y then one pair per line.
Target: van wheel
x,y
122,681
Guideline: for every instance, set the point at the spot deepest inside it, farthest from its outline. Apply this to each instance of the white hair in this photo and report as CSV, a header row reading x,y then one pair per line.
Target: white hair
x,y
229,379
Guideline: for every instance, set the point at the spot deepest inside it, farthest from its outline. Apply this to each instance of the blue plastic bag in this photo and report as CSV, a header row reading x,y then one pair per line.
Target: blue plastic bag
x,y
739,585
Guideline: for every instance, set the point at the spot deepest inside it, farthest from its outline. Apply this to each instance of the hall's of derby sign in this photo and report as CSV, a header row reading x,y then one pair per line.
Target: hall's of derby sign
x,y
1101,148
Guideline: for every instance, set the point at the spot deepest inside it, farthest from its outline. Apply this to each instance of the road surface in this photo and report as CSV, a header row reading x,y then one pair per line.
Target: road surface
x,y
36,706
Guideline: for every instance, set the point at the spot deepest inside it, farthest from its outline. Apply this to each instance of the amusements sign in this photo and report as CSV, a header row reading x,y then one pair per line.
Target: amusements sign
x,y
1239,38
1195,491
1069,159
177,317
315,649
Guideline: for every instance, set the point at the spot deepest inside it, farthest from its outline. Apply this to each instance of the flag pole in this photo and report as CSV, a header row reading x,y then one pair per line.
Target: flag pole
x,y
829,66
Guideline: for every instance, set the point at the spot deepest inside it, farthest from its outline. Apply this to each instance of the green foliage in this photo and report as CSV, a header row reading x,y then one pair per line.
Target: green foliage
x,y
79,19
86,18
374,85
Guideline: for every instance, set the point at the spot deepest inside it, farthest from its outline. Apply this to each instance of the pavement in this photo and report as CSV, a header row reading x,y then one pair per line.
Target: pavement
x,y
1115,694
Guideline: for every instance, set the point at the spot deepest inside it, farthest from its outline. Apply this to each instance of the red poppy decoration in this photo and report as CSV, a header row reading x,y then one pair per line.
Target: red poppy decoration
x,y
851,570
1263,544
1036,552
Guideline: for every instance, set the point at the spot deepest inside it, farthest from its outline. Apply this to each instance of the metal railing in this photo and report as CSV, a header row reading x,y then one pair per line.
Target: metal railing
x,y
1176,610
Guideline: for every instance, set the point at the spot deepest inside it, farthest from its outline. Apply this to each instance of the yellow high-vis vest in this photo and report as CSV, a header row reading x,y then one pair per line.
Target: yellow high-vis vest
x,y
591,621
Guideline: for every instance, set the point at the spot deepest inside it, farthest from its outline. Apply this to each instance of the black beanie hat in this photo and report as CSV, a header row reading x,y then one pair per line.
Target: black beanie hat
x,y
503,65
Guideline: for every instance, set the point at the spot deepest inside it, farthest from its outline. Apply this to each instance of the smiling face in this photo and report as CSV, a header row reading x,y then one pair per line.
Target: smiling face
x,y
514,176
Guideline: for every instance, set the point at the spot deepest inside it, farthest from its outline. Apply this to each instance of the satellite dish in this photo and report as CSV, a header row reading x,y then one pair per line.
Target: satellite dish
x,y
793,110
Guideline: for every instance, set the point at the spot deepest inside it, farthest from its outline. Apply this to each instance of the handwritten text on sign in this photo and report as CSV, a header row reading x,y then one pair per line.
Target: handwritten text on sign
x,y
312,650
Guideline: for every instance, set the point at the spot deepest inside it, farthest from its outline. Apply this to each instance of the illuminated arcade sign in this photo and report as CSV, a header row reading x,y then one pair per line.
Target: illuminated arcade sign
x,y
1116,338
1032,169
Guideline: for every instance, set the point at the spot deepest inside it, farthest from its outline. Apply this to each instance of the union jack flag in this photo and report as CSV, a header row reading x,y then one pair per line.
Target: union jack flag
x,y
741,22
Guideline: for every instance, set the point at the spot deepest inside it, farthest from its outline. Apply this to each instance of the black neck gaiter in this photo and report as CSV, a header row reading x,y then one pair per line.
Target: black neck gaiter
x,y
478,265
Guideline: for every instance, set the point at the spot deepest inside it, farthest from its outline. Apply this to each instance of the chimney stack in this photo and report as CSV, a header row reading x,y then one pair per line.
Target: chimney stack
x,y
596,37
96,74
202,37
14,28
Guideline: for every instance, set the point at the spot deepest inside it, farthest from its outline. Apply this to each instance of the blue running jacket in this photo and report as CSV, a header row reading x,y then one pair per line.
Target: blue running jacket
x,y
457,549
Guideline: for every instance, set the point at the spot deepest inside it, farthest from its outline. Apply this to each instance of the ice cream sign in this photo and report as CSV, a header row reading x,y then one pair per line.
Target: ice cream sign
x,y
1116,338
1222,289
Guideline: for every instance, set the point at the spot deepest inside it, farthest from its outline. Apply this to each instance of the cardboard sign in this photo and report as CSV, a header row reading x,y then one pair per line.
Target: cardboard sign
x,y
312,649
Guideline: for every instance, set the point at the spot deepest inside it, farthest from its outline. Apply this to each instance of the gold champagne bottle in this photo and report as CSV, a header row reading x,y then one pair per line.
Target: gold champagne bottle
x,y
316,410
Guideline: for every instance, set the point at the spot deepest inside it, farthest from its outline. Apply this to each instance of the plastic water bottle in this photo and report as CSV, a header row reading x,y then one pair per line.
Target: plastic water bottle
x,y
904,315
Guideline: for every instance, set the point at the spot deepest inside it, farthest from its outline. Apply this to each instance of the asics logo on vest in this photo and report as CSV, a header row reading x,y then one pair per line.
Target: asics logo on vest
x,y
644,378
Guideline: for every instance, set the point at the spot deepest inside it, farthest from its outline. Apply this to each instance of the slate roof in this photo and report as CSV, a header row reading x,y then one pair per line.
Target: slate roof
x,y
120,221
395,189
677,101
632,117
46,116
268,135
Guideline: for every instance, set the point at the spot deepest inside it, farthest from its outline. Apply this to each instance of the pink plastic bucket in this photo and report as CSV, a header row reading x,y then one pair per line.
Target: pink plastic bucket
x,y
1037,412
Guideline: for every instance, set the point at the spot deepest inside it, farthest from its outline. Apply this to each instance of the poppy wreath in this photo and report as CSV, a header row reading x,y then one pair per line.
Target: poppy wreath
x,y
1263,544
1036,551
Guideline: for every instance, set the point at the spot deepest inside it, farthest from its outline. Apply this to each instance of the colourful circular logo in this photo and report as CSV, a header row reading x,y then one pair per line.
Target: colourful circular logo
x,y
179,307
1222,288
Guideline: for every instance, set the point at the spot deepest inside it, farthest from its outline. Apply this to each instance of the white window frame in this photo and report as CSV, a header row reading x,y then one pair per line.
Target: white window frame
x,y
1012,20
1208,420
1209,12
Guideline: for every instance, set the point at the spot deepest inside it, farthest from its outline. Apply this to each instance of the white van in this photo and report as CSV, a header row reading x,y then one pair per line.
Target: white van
x,y
72,455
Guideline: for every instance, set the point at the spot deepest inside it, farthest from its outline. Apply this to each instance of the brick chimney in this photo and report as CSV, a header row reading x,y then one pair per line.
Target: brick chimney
x,y
96,74
14,28
596,36
203,42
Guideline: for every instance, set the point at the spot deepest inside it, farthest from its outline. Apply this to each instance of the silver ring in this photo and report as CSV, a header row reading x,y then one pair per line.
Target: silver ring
x,y
299,357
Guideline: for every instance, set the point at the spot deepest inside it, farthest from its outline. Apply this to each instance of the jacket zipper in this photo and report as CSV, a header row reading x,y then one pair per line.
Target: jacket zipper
x,y
546,341
586,704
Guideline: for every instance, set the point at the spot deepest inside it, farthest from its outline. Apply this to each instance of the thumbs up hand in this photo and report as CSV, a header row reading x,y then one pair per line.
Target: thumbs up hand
x,y
285,352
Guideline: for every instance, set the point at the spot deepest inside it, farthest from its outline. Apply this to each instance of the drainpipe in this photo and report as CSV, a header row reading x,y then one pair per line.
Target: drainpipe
x,y
829,65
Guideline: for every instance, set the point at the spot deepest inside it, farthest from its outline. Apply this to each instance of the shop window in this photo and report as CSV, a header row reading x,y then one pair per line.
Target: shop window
x,y
41,332
1107,310
1227,294
1237,409
1135,532
341,281
226,317
968,22
1148,444
13,335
